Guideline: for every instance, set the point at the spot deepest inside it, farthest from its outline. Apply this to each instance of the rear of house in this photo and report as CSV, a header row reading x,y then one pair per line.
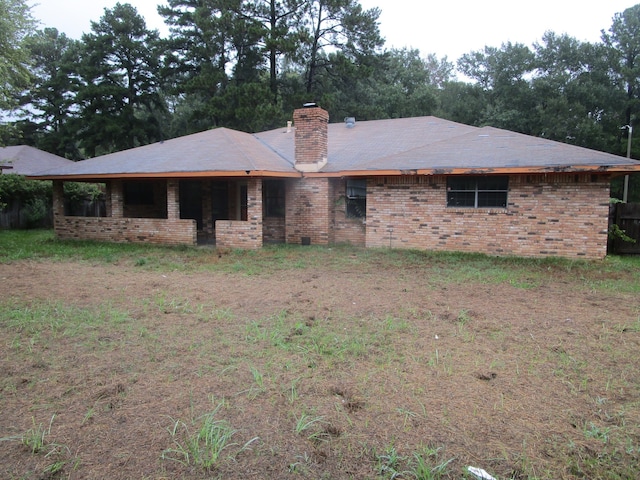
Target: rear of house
x,y
422,183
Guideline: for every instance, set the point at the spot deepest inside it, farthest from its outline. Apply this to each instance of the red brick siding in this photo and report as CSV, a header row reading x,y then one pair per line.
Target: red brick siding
x,y
237,234
311,143
559,214
58,198
207,209
127,230
244,234
307,210
273,230
343,229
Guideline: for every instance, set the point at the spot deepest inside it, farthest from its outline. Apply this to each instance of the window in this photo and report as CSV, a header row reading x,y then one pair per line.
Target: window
x,y
477,192
244,202
356,198
273,198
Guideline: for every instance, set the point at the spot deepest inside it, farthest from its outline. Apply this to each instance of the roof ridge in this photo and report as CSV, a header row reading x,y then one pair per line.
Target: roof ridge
x,y
230,134
257,137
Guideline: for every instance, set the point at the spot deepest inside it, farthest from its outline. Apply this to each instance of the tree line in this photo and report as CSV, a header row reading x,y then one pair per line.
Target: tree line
x,y
246,64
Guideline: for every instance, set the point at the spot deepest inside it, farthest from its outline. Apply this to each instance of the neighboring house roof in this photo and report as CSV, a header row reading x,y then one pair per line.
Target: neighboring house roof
x,y
423,145
25,160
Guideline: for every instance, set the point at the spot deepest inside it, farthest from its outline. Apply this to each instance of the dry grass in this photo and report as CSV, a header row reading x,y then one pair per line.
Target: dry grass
x,y
316,363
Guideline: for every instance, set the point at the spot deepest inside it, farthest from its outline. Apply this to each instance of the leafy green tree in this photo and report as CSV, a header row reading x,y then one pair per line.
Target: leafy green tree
x,y
503,74
462,102
397,83
34,195
50,102
214,51
282,32
341,25
119,95
15,23
575,101
623,43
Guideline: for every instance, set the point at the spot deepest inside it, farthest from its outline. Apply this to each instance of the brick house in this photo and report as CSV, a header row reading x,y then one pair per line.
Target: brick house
x,y
422,183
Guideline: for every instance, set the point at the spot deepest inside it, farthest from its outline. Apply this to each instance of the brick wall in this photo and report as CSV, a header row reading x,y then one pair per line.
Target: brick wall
x,y
307,211
273,229
557,214
127,230
237,234
311,142
207,209
244,234
344,229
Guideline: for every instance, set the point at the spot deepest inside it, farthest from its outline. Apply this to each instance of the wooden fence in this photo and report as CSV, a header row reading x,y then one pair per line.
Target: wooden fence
x,y
19,216
627,217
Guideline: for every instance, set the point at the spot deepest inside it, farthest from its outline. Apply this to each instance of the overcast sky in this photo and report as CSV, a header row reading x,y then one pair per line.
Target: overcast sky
x,y
446,28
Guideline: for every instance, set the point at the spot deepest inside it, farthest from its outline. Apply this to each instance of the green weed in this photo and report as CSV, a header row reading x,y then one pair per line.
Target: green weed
x,y
204,444
426,464
389,463
309,425
35,437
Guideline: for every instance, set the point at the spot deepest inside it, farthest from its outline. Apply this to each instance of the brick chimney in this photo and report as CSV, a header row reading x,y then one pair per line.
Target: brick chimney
x,y
311,144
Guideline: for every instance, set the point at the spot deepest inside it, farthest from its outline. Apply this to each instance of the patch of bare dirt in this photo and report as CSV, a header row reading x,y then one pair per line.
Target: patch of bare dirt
x,y
520,382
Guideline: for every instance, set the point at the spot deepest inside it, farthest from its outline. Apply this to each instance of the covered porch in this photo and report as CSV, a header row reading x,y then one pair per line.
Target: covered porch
x,y
226,212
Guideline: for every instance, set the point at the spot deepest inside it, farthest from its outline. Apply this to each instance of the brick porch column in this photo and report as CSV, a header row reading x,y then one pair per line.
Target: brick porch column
x,y
58,198
115,199
173,199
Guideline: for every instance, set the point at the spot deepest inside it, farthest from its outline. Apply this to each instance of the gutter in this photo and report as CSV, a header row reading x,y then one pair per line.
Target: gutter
x,y
142,175
594,169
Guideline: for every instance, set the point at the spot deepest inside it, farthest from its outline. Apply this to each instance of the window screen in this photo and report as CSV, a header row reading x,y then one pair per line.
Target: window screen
x,y
477,191
356,196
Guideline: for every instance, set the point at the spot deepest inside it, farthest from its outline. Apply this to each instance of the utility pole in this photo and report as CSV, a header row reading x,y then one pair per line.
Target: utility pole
x,y
625,189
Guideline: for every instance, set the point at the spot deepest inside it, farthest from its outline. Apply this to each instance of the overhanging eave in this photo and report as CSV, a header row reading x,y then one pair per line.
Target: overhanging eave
x,y
594,169
101,177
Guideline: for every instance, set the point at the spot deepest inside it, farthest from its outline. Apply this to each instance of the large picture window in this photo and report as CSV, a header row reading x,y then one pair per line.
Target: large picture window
x,y
477,191
356,198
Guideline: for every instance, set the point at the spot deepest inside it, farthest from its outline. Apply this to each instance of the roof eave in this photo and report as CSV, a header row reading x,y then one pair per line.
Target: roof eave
x,y
595,169
101,177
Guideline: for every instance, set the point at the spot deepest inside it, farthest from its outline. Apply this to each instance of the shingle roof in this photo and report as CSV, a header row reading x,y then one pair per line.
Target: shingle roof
x,y
422,144
25,160
490,149
370,140
214,151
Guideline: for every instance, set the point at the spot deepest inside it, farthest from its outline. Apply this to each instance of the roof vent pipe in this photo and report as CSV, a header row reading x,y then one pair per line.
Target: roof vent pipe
x,y
350,121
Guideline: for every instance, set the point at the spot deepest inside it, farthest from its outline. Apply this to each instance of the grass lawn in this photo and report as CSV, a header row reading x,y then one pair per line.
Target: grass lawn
x,y
132,361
